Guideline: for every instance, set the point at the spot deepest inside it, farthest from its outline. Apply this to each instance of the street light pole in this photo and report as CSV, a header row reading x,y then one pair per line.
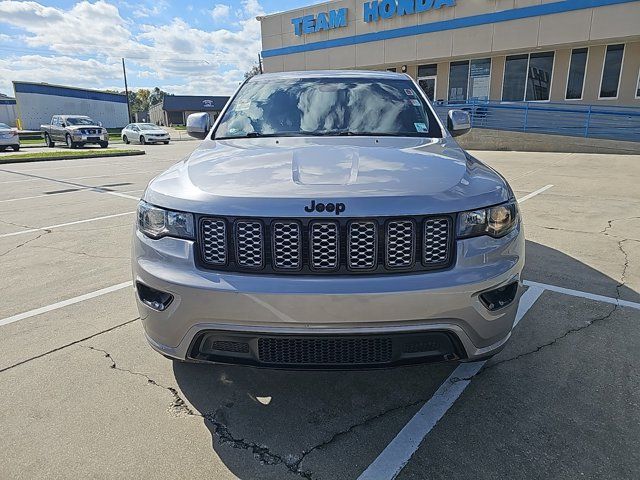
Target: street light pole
x,y
126,91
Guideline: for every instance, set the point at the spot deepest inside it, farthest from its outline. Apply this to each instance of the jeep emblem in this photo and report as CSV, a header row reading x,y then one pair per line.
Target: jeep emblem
x,y
325,207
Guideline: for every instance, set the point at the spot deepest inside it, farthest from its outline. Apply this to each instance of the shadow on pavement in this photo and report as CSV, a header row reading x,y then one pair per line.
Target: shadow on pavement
x,y
261,417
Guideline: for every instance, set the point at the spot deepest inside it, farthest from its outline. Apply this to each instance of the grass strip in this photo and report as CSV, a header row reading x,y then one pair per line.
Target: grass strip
x,y
63,155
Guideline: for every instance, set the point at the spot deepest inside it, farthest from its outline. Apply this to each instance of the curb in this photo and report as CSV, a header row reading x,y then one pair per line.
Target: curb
x,y
28,158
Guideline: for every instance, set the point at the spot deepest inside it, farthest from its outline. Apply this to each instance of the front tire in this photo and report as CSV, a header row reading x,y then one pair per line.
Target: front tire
x,y
2,149
143,141
47,139
16,148
70,143
166,143
125,140
104,144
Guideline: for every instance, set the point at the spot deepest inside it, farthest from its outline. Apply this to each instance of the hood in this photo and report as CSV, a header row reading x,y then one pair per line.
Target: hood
x,y
374,176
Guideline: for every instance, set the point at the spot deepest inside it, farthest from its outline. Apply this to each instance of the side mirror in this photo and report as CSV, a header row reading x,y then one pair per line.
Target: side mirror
x,y
99,124
198,125
458,122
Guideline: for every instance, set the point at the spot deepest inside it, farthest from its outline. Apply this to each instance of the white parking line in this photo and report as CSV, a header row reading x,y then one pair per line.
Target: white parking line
x,y
51,227
64,303
533,194
581,294
398,453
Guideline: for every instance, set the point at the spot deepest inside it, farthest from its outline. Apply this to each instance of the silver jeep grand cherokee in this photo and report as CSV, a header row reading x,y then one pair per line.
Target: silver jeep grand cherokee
x,y
328,220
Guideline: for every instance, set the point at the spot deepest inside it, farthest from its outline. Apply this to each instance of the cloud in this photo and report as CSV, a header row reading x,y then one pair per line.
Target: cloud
x,y
82,45
220,11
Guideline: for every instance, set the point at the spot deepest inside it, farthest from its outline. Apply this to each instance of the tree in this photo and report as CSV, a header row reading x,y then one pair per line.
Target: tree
x,y
156,96
255,70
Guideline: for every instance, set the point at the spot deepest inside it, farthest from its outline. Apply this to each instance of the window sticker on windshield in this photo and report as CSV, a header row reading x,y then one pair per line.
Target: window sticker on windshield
x,y
409,92
415,102
421,127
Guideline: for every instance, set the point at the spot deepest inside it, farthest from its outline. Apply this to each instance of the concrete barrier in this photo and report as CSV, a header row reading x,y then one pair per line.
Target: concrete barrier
x,y
486,139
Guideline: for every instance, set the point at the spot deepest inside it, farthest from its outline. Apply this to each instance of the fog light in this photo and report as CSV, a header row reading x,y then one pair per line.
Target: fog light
x,y
153,298
500,297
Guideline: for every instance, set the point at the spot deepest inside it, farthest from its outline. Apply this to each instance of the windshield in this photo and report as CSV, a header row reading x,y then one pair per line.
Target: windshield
x,y
328,106
147,126
80,121
4,125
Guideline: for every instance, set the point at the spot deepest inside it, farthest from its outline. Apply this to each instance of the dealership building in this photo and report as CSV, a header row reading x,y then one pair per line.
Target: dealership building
x,y
36,103
574,51
174,109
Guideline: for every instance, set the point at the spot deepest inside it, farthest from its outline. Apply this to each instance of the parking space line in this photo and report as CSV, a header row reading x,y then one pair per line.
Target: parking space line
x,y
533,194
60,193
51,227
64,303
400,450
581,294
90,188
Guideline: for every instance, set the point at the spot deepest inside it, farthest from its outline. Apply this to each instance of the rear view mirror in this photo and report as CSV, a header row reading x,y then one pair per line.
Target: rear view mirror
x,y
198,125
458,122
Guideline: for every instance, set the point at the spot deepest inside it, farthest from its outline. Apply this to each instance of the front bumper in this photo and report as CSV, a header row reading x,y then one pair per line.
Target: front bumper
x,y
260,306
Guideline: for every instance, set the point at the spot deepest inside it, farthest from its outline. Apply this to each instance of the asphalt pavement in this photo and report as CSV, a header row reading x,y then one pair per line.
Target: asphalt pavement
x,y
85,397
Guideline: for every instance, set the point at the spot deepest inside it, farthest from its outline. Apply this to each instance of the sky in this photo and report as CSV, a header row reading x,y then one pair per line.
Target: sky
x,y
188,47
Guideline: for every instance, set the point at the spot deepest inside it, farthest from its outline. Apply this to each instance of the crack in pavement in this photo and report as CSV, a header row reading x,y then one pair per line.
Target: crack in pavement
x,y
44,232
178,406
260,452
67,345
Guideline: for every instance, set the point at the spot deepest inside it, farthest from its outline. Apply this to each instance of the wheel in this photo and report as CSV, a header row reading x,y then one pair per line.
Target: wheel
x,y
143,141
15,147
166,143
2,148
125,140
104,144
47,139
70,143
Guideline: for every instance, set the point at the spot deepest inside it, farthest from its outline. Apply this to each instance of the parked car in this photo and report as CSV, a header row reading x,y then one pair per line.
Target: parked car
x,y
9,138
328,220
144,133
75,131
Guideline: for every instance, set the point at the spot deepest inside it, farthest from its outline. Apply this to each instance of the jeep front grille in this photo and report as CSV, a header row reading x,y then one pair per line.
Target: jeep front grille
x,y
331,246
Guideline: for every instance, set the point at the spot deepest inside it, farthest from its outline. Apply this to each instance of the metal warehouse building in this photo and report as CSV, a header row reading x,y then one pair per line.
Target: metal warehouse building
x,y
174,109
7,110
38,102
571,51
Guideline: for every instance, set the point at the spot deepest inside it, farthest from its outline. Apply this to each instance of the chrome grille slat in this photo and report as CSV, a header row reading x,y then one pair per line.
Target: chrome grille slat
x,y
400,244
325,245
213,233
435,247
249,244
362,245
287,245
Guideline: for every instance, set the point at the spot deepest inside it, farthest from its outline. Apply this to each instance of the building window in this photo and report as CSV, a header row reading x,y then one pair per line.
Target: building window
x,y
391,69
479,79
527,77
515,78
539,78
611,71
427,77
577,68
458,81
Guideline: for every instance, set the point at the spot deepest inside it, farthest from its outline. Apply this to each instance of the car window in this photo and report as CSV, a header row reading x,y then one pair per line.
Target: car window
x,y
328,106
80,121
147,126
4,125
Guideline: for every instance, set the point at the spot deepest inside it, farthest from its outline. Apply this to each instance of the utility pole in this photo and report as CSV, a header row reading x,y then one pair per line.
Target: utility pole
x,y
126,91
260,63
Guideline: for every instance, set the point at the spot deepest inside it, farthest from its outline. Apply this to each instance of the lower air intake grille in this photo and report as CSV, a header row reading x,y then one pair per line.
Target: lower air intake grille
x,y
324,351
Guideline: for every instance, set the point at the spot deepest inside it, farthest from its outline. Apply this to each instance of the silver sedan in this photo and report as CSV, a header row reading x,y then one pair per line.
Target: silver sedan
x,y
8,138
144,133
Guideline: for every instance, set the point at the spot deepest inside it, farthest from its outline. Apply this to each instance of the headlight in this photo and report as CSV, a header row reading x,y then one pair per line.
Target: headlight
x,y
156,222
494,221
